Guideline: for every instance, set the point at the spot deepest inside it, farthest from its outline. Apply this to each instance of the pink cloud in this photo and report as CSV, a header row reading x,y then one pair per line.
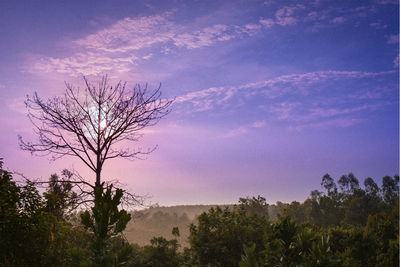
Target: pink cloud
x,y
259,124
131,34
396,61
378,25
393,39
285,15
338,20
267,23
120,46
88,63
274,88
239,131
340,122
236,132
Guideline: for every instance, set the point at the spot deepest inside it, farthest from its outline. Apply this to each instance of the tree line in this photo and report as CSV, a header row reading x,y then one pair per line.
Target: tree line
x,y
343,225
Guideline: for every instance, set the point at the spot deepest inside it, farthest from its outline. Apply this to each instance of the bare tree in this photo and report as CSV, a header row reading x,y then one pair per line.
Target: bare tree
x,y
93,123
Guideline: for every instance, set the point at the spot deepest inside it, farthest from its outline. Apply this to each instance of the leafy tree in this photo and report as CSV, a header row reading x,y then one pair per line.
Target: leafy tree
x,y
280,248
221,234
161,253
297,211
348,184
23,231
321,254
329,184
92,126
105,221
255,205
370,186
60,195
30,234
249,258
390,189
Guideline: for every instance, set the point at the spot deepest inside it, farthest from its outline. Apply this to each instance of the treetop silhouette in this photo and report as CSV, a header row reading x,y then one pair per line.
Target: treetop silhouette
x,y
90,123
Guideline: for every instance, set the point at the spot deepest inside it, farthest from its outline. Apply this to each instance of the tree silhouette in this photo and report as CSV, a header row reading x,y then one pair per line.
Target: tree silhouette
x,y
95,123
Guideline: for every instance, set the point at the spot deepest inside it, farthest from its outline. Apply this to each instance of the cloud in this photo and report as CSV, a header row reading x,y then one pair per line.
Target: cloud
x,y
148,56
396,61
283,110
199,94
386,2
283,16
239,131
378,25
131,34
340,122
259,124
317,113
236,132
393,39
338,20
86,63
123,44
275,87
205,37
308,98
268,23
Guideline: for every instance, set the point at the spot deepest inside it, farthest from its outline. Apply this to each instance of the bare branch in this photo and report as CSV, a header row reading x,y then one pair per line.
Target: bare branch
x,y
87,123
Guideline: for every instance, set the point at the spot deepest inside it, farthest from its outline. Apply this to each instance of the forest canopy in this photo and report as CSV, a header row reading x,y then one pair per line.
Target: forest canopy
x,y
346,224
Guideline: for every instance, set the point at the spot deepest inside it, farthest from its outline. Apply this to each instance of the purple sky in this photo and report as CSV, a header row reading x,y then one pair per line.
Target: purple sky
x,y
270,95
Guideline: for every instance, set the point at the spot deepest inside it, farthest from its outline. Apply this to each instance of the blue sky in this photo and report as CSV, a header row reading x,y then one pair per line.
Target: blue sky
x,y
270,95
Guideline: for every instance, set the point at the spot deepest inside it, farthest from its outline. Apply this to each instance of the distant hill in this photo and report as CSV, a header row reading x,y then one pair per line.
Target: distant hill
x,y
159,221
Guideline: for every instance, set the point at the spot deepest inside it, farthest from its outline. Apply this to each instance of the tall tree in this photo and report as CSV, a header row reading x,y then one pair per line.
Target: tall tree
x,y
90,123
95,125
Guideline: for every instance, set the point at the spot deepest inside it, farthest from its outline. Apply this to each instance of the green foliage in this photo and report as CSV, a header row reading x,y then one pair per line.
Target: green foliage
x,y
30,235
249,258
345,225
220,235
59,195
321,254
161,253
104,222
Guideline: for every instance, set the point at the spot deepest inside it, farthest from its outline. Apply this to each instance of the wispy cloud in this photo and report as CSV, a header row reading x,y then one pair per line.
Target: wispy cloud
x,y
276,87
259,124
393,39
337,122
396,61
338,20
386,2
131,34
204,37
236,132
378,25
267,23
87,63
242,130
120,46
295,98
284,16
